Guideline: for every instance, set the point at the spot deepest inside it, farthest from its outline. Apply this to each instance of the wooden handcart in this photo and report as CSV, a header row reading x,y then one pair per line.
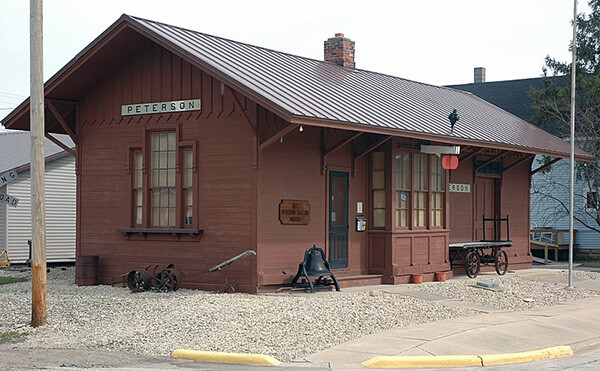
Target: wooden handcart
x,y
473,254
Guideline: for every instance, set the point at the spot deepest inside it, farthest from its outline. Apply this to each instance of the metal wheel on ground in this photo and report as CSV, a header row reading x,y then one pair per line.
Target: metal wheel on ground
x,y
501,262
472,264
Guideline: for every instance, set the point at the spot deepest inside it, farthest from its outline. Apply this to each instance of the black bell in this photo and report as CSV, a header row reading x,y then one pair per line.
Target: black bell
x,y
315,265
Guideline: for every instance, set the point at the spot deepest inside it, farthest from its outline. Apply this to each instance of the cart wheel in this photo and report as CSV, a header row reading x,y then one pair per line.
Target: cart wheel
x,y
472,264
501,262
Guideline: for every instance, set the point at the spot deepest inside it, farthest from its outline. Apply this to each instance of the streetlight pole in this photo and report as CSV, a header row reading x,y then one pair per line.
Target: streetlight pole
x,y
572,155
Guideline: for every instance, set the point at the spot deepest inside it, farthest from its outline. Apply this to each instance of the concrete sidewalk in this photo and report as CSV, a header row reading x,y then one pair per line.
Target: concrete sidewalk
x,y
494,331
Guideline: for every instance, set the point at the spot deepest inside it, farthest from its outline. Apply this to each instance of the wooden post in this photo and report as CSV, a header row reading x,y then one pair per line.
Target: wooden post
x,y
38,204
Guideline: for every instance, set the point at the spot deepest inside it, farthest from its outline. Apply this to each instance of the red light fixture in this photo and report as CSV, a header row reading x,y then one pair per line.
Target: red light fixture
x,y
450,162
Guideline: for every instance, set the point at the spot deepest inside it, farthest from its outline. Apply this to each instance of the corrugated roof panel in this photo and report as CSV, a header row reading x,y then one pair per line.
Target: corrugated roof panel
x,y
306,88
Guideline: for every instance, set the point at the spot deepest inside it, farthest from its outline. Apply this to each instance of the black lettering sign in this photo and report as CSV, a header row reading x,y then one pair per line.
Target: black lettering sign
x,y
163,107
129,109
181,105
294,212
155,107
173,106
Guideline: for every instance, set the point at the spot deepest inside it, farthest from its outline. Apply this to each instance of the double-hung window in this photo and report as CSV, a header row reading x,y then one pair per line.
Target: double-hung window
x,y
403,189
420,191
164,184
438,191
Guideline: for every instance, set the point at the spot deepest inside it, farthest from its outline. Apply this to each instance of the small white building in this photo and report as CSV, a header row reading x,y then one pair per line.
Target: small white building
x,y
15,222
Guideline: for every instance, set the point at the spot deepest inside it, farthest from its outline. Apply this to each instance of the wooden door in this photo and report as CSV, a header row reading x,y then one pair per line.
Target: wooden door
x,y
338,219
485,202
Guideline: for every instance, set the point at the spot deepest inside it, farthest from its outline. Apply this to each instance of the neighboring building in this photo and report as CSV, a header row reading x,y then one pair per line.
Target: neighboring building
x,y
193,148
546,212
15,222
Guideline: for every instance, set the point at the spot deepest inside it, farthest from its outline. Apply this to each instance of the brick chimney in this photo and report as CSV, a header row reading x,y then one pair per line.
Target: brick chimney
x,y
340,50
478,75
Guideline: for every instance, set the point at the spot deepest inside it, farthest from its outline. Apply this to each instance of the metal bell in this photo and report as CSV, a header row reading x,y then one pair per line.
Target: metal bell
x,y
315,265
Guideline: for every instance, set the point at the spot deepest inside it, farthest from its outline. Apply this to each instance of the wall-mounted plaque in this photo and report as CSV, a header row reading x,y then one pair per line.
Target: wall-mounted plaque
x,y
294,212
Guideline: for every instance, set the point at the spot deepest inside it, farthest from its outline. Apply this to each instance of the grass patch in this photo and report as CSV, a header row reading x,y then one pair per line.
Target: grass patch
x,y
591,264
7,280
11,337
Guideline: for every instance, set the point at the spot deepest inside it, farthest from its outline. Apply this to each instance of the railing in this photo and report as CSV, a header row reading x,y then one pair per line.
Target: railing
x,y
546,238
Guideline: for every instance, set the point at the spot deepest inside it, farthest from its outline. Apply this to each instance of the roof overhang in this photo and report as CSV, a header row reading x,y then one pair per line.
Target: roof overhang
x,y
98,59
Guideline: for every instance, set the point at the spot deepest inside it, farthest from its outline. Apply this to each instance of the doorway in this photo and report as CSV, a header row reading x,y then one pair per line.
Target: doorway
x,y
486,205
338,219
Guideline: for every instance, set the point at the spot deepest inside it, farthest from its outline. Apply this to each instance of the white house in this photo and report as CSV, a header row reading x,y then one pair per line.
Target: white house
x,y
15,222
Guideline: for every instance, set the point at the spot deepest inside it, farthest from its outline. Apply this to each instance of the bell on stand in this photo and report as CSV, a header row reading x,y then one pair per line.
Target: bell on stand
x,y
315,265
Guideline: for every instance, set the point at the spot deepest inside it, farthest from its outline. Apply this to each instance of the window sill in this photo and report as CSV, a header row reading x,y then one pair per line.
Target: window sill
x,y
175,232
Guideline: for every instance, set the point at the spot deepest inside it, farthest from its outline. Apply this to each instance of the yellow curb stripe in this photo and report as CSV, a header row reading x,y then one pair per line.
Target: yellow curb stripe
x,y
534,355
219,357
422,361
469,360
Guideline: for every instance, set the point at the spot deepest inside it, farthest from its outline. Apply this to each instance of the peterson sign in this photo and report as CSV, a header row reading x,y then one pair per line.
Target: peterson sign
x,y
161,107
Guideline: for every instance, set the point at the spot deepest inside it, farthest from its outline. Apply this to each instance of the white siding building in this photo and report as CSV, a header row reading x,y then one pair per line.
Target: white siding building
x,y
15,222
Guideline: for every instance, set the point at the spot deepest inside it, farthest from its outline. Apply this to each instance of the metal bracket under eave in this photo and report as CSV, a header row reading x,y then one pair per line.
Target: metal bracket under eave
x,y
338,145
546,165
61,145
469,155
276,137
500,155
367,151
238,106
440,150
517,163
61,121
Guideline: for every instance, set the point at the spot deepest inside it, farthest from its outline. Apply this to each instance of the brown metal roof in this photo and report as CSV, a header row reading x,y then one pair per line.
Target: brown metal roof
x,y
312,91
304,87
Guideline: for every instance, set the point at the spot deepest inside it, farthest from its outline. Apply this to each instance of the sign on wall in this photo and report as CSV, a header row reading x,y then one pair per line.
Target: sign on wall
x,y
161,107
9,200
294,212
8,177
460,188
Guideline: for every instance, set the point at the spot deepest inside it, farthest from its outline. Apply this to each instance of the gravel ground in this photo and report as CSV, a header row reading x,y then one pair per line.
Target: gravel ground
x,y
592,276
518,293
287,327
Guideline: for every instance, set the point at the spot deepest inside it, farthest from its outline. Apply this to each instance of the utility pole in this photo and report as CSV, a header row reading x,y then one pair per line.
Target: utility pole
x,y
38,188
572,157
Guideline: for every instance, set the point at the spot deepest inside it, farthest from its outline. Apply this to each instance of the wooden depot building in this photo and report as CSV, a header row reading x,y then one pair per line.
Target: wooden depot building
x,y
192,148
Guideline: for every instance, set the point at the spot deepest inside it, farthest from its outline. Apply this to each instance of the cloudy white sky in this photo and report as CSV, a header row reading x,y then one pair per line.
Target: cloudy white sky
x,y
433,41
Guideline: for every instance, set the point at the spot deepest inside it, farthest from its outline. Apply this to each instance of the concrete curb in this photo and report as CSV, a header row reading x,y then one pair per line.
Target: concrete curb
x,y
534,355
468,360
220,357
421,361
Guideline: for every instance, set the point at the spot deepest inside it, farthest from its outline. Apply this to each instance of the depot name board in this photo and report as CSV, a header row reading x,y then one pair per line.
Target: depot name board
x,y
460,188
161,107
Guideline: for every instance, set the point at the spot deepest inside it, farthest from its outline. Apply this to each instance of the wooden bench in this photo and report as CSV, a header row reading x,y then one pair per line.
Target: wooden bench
x,y
545,239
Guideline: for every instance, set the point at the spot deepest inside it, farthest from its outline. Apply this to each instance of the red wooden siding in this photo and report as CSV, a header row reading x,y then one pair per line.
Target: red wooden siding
x,y
224,172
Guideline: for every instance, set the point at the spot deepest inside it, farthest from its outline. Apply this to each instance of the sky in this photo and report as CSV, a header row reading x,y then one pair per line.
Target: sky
x,y
432,41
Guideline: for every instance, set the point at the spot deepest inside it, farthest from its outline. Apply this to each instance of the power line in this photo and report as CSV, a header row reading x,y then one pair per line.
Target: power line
x,y
12,95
